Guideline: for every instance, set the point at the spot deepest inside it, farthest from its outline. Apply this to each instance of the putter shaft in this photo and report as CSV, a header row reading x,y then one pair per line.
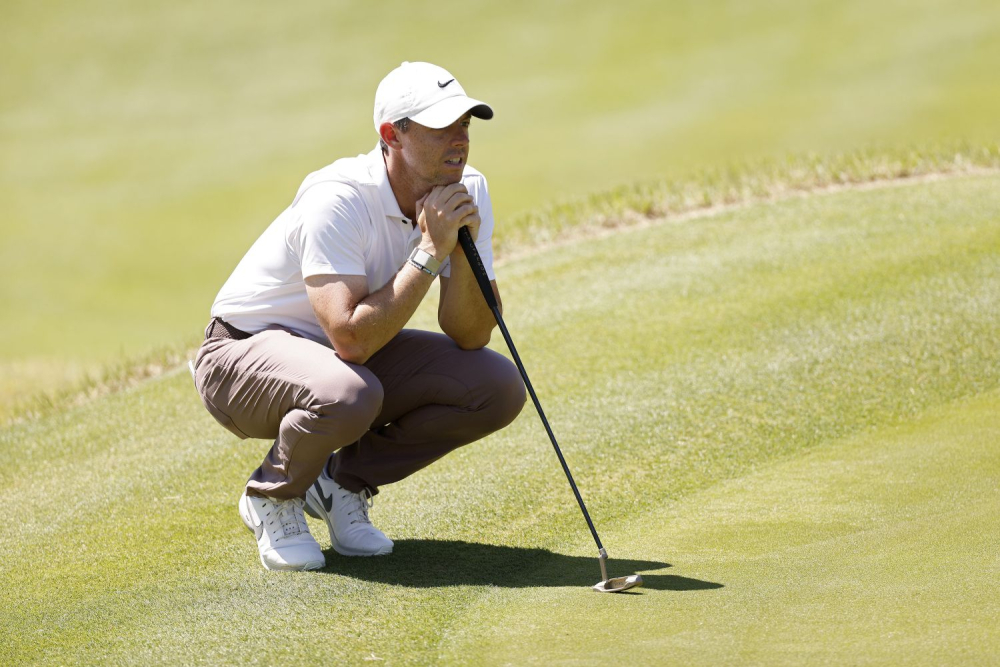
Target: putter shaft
x,y
472,254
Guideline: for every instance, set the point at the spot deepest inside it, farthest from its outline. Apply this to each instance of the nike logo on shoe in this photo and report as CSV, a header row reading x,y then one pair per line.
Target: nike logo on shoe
x,y
251,521
442,85
325,499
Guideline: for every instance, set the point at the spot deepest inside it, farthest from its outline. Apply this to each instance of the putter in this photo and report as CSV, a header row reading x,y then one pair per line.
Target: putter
x,y
606,585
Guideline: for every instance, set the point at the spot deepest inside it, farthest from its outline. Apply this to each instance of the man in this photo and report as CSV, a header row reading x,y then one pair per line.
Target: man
x,y
306,344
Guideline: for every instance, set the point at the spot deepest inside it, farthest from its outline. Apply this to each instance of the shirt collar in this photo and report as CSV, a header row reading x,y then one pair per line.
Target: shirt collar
x,y
381,178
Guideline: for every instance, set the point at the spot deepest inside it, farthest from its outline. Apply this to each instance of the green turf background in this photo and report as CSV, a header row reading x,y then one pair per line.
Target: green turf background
x,y
789,427
143,146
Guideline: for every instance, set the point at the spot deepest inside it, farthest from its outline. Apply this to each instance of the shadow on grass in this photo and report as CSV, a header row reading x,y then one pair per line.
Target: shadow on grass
x,y
433,563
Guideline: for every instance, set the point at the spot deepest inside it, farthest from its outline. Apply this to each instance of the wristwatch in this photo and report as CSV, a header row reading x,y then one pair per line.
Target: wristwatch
x,y
425,261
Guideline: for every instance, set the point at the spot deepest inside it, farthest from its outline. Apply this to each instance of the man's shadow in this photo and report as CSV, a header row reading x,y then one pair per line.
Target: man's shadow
x,y
434,563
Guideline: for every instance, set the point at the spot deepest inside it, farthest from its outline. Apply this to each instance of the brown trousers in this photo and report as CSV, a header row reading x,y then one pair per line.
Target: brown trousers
x,y
412,402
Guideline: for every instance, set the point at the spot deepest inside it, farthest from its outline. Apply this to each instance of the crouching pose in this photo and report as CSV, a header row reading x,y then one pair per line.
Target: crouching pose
x,y
306,344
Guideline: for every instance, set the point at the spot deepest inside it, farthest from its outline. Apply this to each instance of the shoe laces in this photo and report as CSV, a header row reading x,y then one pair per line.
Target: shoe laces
x,y
289,515
362,503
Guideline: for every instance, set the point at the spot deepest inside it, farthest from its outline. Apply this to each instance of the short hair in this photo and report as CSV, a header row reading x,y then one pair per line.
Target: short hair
x,y
402,125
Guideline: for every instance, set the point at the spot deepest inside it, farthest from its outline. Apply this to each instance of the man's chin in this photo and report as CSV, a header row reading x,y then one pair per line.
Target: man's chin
x,y
442,181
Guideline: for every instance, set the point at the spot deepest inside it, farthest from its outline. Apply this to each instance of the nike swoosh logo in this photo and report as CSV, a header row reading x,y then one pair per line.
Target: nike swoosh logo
x,y
442,85
326,500
258,528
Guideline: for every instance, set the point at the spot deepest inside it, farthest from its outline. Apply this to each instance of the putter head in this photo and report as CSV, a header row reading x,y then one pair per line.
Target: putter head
x,y
618,584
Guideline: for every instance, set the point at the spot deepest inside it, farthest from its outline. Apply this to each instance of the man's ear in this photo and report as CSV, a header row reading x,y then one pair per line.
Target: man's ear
x,y
389,135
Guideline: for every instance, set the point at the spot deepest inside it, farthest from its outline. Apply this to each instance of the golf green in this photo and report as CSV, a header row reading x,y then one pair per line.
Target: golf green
x,y
877,549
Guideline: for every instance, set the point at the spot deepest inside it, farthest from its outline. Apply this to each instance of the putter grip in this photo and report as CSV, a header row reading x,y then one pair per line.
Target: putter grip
x,y
472,254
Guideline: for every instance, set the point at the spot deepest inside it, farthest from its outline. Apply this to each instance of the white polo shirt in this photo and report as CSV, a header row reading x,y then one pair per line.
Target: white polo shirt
x,y
345,220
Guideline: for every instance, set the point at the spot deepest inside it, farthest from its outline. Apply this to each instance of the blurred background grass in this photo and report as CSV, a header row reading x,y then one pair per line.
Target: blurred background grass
x,y
145,145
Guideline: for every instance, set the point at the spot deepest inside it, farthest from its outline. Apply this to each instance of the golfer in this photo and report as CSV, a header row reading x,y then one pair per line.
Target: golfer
x,y
306,344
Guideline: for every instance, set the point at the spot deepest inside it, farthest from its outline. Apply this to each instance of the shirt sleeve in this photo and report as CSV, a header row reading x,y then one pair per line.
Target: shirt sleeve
x,y
332,231
484,241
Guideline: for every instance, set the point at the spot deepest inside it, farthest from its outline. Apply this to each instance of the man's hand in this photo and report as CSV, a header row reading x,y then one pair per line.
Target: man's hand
x,y
440,214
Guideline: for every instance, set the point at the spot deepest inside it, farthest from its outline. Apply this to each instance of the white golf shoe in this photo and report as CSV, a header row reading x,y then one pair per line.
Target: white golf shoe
x,y
283,537
346,515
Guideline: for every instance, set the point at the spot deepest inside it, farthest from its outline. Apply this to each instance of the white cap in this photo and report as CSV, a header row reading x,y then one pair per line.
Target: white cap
x,y
426,94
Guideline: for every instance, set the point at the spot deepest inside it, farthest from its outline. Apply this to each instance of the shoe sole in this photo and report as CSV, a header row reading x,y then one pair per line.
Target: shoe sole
x,y
314,508
344,551
315,565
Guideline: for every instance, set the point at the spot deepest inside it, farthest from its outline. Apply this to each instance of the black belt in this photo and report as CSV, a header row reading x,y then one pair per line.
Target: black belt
x,y
219,329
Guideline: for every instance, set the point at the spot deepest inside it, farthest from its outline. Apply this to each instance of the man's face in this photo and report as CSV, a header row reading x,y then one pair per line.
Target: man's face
x,y
436,157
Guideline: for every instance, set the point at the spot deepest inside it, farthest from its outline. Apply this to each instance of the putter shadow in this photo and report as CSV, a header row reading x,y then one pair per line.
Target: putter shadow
x,y
435,563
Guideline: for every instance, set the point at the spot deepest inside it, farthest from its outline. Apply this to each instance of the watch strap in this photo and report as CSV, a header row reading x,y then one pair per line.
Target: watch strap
x,y
425,261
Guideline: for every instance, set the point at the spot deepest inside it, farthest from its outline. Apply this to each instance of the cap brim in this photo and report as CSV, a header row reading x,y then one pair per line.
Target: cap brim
x,y
448,110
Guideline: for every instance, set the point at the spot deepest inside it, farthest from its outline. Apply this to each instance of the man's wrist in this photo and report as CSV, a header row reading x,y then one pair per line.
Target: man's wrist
x,y
432,250
425,261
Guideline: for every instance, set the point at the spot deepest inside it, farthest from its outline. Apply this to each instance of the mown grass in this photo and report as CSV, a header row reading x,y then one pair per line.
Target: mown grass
x,y
145,147
874,550
708,380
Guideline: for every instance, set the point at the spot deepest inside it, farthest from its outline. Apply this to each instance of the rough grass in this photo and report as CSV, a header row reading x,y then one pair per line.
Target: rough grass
x,y
791,404
737,184
78,385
